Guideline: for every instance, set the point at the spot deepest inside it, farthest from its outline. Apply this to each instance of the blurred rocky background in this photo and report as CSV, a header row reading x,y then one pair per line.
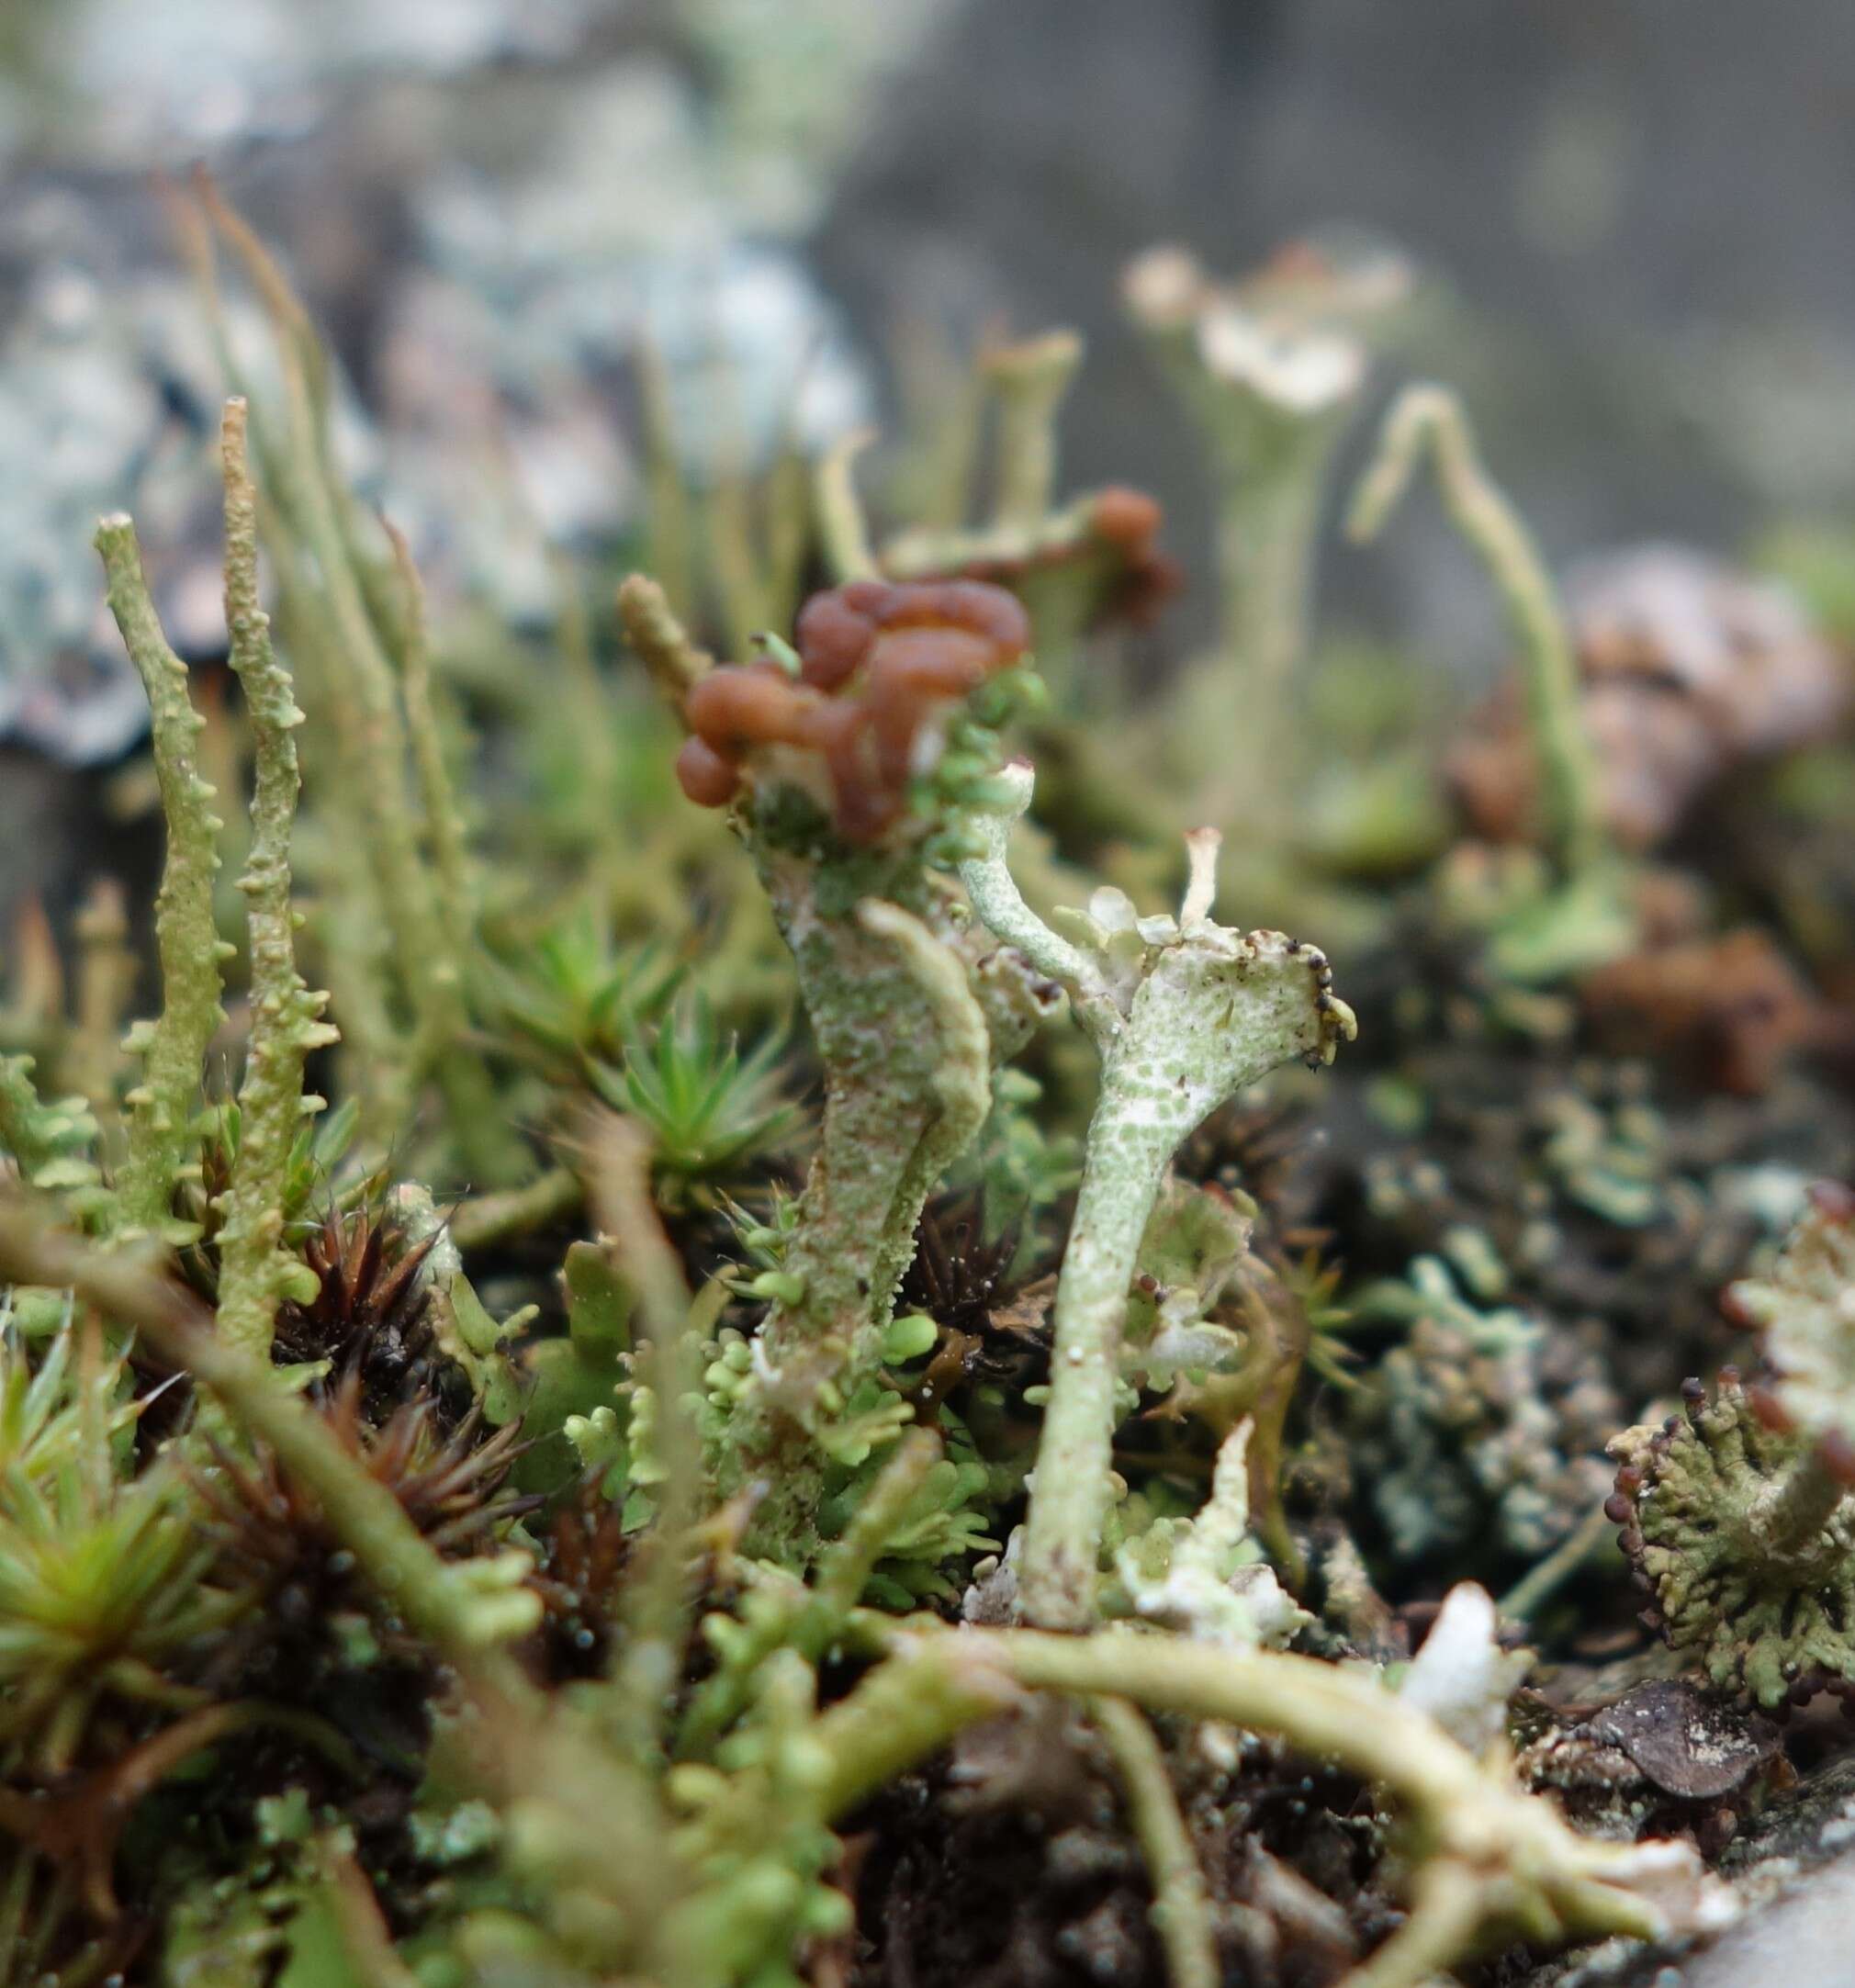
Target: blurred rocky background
x,y
1630,215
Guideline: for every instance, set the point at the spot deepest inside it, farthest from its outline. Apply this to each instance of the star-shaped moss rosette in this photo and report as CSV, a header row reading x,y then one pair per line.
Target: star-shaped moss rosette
x,y
1736,1514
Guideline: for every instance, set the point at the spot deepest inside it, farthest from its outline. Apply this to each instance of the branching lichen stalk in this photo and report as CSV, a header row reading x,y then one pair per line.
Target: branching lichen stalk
x,y
256,1272
163,1107
1184,1013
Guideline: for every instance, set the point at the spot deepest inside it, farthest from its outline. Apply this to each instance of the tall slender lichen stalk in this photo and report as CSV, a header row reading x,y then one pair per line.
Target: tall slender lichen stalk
x,y
1030,379
1429,419
908,1012
1271,391
256,1273
163,1107
1184,1014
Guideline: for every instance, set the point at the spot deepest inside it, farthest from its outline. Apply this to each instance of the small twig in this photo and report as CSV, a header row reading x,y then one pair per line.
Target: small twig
x,y
1541,1580
1181,1908
484,1219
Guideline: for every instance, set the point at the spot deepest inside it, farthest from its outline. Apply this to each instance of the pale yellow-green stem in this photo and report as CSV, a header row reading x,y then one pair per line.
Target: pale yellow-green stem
x,y
256,1272
1430,418
1181,1908
163,1107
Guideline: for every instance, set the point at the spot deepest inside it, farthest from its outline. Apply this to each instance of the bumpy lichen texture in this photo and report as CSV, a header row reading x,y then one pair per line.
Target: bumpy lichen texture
x,y
853,779
1695,1499
1482,1433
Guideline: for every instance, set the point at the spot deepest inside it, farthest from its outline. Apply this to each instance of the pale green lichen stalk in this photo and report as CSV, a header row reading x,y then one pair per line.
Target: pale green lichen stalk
x,y
163,1107
1428,419
1271,374
255,1271
907,1055
1184,1013
1030,379
909,1012
419,1018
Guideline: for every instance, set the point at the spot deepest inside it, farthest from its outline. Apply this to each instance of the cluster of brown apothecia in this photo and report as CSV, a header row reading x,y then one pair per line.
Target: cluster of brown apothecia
x,y
877,660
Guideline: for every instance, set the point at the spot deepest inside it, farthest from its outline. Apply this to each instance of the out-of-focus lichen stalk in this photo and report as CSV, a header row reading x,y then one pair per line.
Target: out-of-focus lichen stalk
x,y
844,531
662,642
363,700
1030,379
1271,396
52,1142
667,516
255,1271
1428,419
437,793
107,973
163,1107
1184,1013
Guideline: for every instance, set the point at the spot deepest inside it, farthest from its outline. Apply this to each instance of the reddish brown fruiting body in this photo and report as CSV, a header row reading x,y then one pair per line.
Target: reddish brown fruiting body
x,y
876,660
